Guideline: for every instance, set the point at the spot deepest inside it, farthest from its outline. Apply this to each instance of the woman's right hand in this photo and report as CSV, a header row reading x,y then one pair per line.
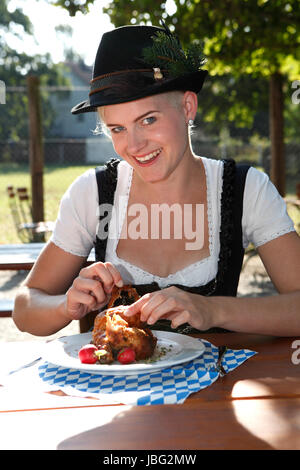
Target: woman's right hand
x,y
91,290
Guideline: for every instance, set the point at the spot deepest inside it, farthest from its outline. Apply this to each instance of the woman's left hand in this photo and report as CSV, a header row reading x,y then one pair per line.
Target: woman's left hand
x,y
175,305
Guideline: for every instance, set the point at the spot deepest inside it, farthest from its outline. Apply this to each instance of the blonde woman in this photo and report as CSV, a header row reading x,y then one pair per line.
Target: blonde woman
x,y
170,223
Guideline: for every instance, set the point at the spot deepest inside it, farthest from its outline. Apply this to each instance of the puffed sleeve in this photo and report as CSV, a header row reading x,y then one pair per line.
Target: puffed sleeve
x,y
264,211
75,227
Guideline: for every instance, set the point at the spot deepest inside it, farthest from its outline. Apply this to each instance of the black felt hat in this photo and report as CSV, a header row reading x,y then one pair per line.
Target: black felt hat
x,y
133,62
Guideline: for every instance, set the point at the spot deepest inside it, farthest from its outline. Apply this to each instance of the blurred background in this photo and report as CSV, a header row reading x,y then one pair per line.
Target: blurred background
x,y
252,51
249,108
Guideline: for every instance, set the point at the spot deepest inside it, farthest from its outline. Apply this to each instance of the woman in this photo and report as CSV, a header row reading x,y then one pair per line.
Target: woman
x,y
145,91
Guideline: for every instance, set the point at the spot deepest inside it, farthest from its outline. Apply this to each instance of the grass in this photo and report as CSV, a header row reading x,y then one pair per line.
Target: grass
x,y
56,180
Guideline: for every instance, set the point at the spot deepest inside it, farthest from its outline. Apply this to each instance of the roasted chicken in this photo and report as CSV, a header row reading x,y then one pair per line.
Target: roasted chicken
x,y
113,331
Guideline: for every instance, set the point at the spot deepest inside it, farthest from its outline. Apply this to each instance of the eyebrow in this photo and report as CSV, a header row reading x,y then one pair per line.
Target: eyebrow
x,y
137,119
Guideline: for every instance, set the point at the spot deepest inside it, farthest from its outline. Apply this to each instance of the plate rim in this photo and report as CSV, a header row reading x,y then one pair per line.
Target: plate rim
x,y
130,369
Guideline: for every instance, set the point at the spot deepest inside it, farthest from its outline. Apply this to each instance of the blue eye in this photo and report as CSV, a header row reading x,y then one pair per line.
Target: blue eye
x,y
117,130
149,120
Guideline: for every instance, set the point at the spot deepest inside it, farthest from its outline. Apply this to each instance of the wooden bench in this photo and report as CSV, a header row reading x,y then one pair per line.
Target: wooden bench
x,y
21,257
6,308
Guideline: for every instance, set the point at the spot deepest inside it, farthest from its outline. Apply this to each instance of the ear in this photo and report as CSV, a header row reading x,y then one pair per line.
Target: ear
x,y
190,105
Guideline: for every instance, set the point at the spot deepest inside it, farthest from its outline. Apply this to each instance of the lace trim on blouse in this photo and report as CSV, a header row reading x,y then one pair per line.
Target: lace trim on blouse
x,y
180,275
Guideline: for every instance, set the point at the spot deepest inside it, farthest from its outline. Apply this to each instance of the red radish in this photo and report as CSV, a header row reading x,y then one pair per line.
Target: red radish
x,y
126,356
87,354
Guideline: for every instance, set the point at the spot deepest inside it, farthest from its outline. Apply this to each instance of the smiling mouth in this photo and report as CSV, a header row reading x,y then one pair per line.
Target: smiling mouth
x,y
149,157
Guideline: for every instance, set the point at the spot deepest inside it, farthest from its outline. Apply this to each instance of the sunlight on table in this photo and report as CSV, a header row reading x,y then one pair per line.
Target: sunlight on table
x,y
28,431
267,418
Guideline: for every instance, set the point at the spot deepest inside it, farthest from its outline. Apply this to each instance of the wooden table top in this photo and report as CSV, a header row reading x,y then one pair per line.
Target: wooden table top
x,y
22,256
256,406
19,256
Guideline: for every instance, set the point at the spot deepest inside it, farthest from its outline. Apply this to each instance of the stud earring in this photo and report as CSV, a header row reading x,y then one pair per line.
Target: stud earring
x,y
191,122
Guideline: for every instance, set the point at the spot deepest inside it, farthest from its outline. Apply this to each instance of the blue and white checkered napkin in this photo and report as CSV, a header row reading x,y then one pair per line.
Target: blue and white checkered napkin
x,y
168,386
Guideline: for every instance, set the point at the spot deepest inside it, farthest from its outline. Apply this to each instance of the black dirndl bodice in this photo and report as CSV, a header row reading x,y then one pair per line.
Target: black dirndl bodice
x,y
231,247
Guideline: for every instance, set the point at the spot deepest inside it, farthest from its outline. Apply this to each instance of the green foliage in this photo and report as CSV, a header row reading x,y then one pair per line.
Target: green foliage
x,y
242,38
16,17
167,53
73,6
14,68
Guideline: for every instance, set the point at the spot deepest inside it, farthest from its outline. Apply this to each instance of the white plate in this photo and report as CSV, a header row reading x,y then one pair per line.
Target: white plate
x,y
180,348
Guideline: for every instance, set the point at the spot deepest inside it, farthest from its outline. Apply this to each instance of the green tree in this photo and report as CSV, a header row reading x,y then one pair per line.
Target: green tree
x,y
256,37
73,6
14,68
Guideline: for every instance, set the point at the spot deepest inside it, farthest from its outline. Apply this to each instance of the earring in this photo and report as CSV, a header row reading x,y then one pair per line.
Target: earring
x,y
191,122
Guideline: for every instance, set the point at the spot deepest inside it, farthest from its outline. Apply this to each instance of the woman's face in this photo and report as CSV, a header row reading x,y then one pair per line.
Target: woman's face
x,y
150,134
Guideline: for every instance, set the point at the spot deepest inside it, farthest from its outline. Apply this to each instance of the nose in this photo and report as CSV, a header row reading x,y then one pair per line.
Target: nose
x,y
136,141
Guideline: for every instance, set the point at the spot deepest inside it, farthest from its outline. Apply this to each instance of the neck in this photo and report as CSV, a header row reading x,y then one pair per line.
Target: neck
x,y
178,186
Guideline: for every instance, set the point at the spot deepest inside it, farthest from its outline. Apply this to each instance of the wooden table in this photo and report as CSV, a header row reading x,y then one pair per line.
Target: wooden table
x,y
19,257
22,256
256,406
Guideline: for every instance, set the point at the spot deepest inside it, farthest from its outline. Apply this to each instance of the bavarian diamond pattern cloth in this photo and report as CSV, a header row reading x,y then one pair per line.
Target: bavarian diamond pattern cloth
x,y
168,386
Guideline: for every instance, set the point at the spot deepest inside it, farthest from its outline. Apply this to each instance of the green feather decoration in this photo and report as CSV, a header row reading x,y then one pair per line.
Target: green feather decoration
x,y
167,54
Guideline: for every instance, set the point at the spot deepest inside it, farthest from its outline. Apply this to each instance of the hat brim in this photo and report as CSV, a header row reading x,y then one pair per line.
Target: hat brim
x,y
190,82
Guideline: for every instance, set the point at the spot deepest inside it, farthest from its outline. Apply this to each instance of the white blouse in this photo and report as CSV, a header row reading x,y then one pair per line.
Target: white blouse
x,y
264,218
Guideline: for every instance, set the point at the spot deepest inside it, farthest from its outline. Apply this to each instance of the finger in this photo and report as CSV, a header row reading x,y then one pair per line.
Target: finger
x,y
160,309
79,303
109,276
179,318
118,281
136,306
104,273
90,286
99,293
